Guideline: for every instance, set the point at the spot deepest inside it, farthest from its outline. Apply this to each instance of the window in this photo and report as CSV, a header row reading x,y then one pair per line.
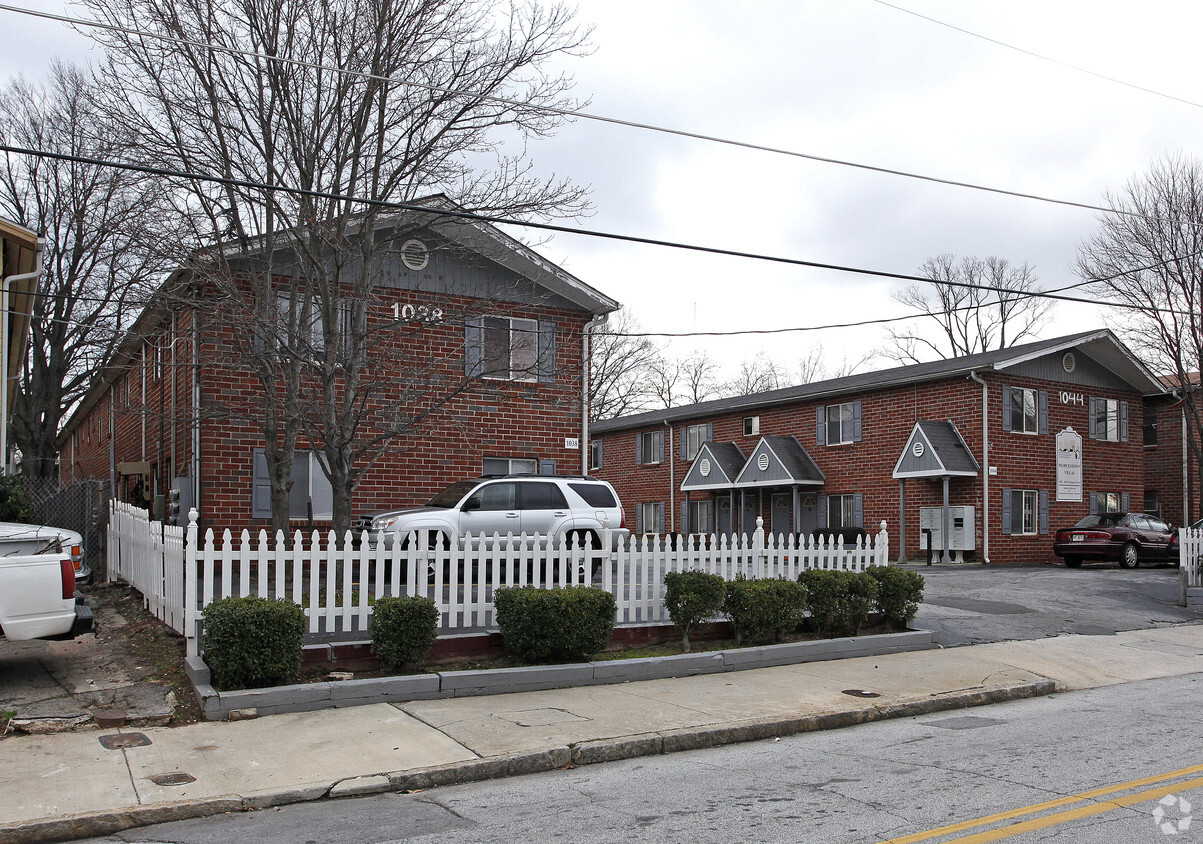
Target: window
x,y
299,324
839,424
751,426
1021,511
510,348
509,466
692,438
649,448
310,487
699,517
649,517
841,511
1152,504
1150,426
595,454
1106,502
1104,419
1025,411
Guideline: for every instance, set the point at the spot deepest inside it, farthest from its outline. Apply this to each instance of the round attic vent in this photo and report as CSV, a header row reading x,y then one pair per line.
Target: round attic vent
x,y
705,468
1068,362
415,255
762,463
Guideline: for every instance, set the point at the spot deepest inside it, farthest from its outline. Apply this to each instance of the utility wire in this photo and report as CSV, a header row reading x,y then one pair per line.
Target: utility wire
x,y
565,112
1042,58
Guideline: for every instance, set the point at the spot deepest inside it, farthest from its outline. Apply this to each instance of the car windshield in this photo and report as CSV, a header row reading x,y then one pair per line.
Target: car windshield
x,y
1100,520
452,494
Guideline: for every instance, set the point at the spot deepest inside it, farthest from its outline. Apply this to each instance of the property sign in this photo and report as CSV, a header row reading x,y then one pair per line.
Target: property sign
x,y
1069,465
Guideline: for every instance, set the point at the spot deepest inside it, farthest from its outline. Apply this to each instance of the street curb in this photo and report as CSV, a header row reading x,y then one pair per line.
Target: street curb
x,y
94,824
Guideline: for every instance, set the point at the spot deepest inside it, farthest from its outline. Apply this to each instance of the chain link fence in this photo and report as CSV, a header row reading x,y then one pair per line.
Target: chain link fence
x,y
82,507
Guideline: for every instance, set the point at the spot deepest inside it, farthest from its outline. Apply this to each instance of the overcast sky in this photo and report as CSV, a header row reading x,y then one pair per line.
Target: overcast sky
x,y
848,79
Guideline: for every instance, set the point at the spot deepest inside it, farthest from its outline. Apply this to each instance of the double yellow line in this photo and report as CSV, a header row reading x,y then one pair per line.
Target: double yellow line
x,y
1095,807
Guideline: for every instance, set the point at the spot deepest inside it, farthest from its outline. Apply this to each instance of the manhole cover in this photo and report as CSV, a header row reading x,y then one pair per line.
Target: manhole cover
x,y
860,693
174,778
120,741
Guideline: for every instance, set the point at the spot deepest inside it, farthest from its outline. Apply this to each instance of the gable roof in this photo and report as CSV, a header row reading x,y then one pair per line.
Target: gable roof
x,y
715,467
1101,345
936,450
780,461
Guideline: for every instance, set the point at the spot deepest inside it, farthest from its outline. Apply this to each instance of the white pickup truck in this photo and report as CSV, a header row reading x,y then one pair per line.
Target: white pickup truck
x,y
37,598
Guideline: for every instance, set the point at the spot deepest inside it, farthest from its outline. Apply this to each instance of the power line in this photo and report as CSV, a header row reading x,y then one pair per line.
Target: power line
x,y
1042,58
565,112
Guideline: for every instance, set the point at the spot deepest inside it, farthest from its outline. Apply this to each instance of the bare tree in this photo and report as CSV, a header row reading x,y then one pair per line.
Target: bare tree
x,y
700,378
1148,255
620,364
381,100
756,375
978,304
96,257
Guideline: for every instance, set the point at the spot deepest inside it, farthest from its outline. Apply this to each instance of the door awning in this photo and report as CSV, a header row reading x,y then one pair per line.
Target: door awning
x,y
715,467
780,461
936,450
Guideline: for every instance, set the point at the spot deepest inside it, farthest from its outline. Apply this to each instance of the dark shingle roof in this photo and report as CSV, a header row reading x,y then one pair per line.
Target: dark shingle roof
x,y
795,459
949,446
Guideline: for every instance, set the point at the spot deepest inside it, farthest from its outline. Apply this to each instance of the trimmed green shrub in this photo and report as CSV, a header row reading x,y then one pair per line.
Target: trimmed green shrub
x,y
763,609
15,503
253,642
403,630
899,593
691,597
549,625
839,601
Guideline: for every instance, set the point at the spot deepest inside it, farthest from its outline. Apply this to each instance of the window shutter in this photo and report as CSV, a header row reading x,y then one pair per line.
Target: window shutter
x,y
1123,421
821,425
660,523
709,432
1043,495
1043,403
858,508
1094,426
685,443
639,449
323,493
1006,512
1006,408
856,423
474,347
261,488
1125,501
639,520
822,511
659,456
1094,503
710,517
547,467
600,450
547,352
684,526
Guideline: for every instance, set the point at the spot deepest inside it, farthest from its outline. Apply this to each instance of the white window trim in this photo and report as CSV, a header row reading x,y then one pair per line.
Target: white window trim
x,y
1023,510
755,426
847,502
1020,427
701,437
846,437
1103,423
656,450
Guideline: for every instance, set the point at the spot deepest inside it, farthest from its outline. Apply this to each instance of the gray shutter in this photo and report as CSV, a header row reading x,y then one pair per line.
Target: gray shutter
x,y
474,347
547,352
600,450
685,443
1042,403
821,425
547,467
659,457
1043,516
1006,408
1006,512
638,519
710,517
1094,427
1125,501
858,507
856,423
1094,503
639,449
1123,421
684,526
709,432
261,487
821,507
661,524
323,493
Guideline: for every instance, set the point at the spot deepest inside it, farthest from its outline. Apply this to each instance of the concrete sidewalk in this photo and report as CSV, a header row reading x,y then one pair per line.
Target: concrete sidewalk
x,y
71,785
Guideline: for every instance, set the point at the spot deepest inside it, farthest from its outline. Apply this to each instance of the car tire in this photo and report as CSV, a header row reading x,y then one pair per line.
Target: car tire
x,y
1129,558
1073,562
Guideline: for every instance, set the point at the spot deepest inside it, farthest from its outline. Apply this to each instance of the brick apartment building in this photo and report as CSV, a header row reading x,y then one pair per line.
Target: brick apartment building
x,y
1171,473
494,331
989,435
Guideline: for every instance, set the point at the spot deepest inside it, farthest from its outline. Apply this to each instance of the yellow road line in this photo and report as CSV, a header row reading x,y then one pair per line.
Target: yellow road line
x,y
1059,802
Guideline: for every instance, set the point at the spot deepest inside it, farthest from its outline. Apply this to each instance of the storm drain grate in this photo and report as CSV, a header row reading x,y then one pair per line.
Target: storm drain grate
x,y
860,693
174,778
121,741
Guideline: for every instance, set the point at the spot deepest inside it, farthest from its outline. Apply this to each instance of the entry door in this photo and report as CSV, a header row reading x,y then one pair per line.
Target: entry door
x,y
780,517
808,514
722,516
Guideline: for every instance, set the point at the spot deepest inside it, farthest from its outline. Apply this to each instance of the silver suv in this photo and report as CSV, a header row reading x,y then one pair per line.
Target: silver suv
x,y
575,507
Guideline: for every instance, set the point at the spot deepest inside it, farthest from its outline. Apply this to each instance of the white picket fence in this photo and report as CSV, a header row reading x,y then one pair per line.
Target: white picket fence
x,y
337,583
1190,551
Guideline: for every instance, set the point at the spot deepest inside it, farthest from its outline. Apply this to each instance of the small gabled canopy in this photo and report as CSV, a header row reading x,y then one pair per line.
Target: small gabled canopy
x,y
715,467
780,461
936,450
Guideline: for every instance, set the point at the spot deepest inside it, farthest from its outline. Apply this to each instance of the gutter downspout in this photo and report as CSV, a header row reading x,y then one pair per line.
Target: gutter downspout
x,y
597,322
196,407
672,479
973,376
5,339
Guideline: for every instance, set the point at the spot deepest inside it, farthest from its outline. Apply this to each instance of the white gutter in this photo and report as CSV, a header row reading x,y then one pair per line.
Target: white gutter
x,y
597,321
973,376
33,275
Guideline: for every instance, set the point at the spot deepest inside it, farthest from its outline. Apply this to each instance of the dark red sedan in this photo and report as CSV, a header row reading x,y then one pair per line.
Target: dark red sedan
x,y
1127,538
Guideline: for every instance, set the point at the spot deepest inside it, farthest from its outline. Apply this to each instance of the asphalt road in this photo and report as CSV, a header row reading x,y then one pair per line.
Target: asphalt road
x,y
1074,768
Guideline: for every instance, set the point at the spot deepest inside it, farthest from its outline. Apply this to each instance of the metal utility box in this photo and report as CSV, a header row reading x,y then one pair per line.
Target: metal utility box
x,y
962,528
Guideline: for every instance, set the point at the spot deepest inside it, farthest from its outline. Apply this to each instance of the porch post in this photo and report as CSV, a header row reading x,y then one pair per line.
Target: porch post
x,y
946,558
902,520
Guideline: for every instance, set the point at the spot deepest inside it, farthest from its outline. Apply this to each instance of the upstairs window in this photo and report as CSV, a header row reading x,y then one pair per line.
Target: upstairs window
x,y
1025,411
751,426
692,438
1108,420
649,448
595,454
510,349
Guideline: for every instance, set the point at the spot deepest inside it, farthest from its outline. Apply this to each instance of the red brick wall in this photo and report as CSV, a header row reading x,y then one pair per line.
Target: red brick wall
x,y
1023,461
1164,462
